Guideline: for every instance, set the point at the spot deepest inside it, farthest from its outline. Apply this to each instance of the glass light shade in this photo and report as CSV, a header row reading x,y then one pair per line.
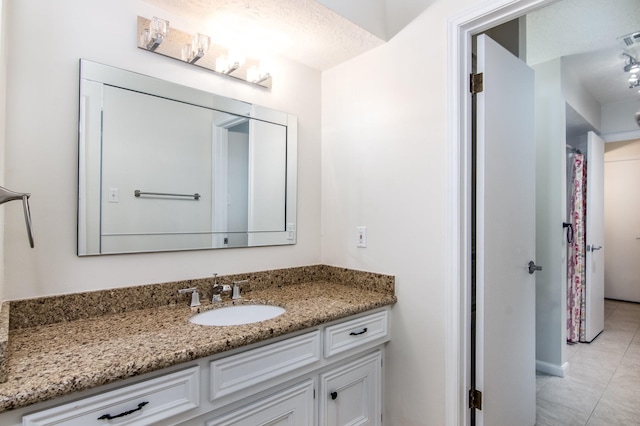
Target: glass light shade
x,y
145,37
201,43
186,52
253,74
159,28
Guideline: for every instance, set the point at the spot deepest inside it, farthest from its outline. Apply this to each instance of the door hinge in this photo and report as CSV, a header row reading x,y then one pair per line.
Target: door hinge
x,y
477,83
475,399
314,393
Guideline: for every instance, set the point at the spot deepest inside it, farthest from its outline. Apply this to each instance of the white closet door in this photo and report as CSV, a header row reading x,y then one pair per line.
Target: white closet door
x,y
595,237
622,230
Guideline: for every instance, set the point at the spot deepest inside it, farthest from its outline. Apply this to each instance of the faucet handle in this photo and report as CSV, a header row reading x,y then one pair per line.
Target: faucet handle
x,y
236,289
195,297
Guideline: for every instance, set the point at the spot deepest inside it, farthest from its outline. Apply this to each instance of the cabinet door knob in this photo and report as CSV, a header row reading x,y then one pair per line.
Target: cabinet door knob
x,y
334,395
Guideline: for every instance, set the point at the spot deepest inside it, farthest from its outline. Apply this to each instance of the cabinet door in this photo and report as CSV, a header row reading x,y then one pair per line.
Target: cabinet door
x,y
290,407
351,393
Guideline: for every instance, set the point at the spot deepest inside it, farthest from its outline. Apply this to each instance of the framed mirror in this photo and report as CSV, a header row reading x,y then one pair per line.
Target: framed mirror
x,y
164,167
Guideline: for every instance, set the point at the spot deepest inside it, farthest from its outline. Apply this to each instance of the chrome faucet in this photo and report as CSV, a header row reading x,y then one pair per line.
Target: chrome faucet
x,y
218,289
236,289
195,297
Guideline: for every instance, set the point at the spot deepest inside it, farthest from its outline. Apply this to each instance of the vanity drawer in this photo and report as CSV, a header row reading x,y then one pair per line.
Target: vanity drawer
x,y
267,363
354,333
141,404
293,406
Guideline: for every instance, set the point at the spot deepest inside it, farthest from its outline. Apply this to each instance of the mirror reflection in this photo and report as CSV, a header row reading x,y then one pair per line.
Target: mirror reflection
x,y
165,167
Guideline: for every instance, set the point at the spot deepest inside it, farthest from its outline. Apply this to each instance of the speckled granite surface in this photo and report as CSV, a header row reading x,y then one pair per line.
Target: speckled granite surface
x,y
70,307
60,357
4,339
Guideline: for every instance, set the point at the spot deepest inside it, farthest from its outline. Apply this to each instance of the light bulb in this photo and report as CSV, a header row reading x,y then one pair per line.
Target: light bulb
x,y
222,64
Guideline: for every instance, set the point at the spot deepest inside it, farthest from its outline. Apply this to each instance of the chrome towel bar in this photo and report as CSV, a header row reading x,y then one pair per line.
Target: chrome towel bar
x,y
138,193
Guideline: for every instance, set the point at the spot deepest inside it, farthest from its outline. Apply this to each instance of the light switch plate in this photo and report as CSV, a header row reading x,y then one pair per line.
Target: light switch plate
x,y
114,195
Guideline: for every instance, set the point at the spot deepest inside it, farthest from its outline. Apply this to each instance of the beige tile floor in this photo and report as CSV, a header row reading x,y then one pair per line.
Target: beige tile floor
x,y
602,385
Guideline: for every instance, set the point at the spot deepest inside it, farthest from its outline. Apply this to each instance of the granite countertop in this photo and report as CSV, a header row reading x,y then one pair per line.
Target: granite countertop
x,y
52,360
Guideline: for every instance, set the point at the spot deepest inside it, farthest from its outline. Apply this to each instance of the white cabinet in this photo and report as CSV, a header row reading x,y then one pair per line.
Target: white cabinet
x,y
293,406
351,394
328,375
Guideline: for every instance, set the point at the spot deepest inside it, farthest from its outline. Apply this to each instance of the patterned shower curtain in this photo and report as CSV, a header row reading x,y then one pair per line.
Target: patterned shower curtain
x,y
576,290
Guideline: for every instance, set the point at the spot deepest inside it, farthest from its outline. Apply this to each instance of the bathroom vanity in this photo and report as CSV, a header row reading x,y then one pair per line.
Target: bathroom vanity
x,y
319,363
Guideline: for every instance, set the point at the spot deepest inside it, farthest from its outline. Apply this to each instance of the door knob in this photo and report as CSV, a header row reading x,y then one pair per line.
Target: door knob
x,y
334,395
533,267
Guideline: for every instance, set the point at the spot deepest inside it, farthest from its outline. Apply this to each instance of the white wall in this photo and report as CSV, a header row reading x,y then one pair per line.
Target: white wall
x,y
618,117
579,98
4,6
367,14
46,40
384,166
382,18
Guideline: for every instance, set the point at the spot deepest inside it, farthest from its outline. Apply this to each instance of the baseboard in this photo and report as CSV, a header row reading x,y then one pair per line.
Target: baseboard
x,y
552,369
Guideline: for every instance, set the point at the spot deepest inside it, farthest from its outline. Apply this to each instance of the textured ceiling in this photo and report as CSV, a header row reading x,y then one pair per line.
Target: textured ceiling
x,y
584,33
601,72
301,30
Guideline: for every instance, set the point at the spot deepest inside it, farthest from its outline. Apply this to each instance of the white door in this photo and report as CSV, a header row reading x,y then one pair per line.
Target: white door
x,y
505,239
622,229
595,237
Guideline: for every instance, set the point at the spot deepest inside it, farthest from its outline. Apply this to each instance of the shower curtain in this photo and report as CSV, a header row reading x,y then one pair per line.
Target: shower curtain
x,y
576,290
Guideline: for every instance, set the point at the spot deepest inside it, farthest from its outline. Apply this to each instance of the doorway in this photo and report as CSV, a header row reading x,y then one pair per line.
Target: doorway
x,y
461,29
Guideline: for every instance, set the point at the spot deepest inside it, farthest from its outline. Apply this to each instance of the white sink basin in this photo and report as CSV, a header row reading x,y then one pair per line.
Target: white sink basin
x,y
237,315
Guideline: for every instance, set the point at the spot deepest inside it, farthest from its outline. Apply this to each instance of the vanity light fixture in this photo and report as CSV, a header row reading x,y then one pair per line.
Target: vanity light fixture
x,y
157,32
199,48
195,50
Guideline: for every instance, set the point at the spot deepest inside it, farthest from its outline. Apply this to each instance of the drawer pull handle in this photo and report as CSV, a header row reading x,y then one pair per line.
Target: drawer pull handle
x,y
125,413
334,395
357,333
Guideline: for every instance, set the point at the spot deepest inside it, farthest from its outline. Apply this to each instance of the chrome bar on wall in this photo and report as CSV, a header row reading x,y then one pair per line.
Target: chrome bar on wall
x,y
7,195
139,193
